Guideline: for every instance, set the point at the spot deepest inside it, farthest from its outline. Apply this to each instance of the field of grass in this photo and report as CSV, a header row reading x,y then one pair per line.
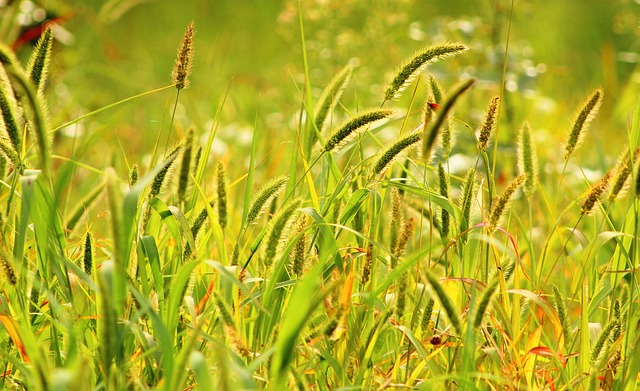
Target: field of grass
x,y
437,205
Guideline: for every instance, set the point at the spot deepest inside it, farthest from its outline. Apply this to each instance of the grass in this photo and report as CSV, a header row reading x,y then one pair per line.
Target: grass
x,y
363,264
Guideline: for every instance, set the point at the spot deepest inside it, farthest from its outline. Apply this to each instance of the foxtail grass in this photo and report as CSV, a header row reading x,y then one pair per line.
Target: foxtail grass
x,y
488,124
299,253
431,133
222,196
182,68
594,194
330,97
560,304
185,167
9,118
8,270
582,121
466,202
269,191
436,90
487,295
133,175
446,303
278,227
196,226
621,173
347,131
527,159
10,153
395,221
502,204
602,341
426,314
87,255
390,154
410,70
367,265
38,64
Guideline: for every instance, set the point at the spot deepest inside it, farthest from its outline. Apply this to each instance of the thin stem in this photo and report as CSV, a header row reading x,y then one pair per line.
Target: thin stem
x,y
173,116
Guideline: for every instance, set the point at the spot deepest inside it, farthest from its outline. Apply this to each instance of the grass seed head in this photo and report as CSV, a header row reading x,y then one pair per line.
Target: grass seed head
x,y
159,179
349,129
182,67
368,265
269,191
299,253
488,124
466,201
133,175
436,89
581,122
9,118
501,206
445,301
8,270
222,196
87,259
403,238
426,314
621,173
39,62
279,225
394,150
418,63
330,97
527,159
560,304
185,166
395,222
485,301
7,150
596,191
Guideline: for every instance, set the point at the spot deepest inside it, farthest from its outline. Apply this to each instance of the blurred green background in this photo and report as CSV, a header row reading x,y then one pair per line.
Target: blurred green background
x,y
559,51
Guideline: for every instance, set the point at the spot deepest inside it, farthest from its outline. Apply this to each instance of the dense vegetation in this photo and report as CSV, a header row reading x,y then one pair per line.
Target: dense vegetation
x,y
409,244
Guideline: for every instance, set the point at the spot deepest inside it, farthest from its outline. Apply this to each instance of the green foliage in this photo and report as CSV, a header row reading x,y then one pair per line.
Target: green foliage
x,y
356,273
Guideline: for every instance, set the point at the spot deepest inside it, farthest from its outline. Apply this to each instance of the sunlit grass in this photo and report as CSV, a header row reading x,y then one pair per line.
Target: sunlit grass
x,y
363,264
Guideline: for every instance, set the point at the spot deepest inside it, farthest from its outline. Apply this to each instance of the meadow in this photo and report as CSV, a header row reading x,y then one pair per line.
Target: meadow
x,y
432,206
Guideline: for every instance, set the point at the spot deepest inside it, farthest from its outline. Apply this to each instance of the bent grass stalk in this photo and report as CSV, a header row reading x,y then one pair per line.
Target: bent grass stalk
x,y
431,133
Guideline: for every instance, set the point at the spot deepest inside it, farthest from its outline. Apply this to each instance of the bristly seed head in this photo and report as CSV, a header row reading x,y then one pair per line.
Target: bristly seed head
x,y
502,204
39,61
133,175
527,159
466,202
489,124
582,121
418,63
621,173
595,193
182,67
347,130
